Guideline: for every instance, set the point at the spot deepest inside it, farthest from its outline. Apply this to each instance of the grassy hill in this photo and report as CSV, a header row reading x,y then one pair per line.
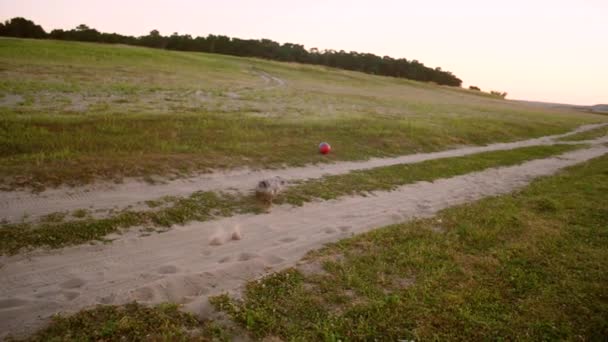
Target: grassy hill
x,y
600,108
72,112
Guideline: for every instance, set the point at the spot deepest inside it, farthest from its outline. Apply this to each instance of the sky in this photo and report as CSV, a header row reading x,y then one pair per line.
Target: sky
x,y
538,50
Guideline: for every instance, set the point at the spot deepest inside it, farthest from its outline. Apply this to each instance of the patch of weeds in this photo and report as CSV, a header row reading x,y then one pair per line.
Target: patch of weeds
x,y
130,322
526,266
53,217
268,314
152,180
80,213
153,203
588,135
545,204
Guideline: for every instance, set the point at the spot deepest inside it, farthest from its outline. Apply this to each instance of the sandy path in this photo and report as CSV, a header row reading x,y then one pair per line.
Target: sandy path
x,y
182,266
103,196
270,81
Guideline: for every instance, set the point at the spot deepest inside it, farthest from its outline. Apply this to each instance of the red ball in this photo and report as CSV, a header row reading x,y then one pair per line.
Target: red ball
x,y
324,148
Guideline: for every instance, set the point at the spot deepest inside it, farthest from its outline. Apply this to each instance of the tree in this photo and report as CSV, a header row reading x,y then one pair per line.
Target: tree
x,y
498,94
23,28
263,48
83,33
153,39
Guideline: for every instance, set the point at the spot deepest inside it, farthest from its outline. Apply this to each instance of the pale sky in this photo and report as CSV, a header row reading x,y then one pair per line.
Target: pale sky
x,y
541,50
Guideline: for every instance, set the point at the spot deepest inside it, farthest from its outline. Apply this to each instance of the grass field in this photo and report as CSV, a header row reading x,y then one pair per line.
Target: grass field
x,y
61,229
72,113
131,322
525,266
589,135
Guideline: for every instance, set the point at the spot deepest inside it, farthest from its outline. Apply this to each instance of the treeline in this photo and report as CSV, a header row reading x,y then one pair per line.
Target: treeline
x,y
263,48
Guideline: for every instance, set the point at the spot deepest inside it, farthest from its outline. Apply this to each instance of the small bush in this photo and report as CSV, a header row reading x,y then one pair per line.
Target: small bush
x,y
498,94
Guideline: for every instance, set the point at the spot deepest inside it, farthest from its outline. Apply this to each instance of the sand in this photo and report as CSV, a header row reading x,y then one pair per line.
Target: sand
x,y
11,100
16,205
189,263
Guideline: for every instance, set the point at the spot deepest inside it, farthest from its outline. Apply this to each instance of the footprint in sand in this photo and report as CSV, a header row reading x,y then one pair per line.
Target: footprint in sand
x,y
143,294
329,230
288,239
195,285
225,259
11,303
216,241
71,295
273,259
248,256
145,275
423,207
73,283
167,269
107,299
344,228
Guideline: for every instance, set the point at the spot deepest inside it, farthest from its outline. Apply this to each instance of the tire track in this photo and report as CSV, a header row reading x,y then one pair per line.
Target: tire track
x,y
14,206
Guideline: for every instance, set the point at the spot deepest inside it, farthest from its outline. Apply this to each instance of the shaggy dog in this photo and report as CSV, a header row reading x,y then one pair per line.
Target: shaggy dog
x,y
268,189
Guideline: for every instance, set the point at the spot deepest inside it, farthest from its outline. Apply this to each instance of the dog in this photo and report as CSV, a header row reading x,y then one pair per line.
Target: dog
x,y
268,189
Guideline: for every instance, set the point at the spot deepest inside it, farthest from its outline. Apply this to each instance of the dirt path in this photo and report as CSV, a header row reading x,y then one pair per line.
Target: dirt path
x,y
270,80
189,263
104,196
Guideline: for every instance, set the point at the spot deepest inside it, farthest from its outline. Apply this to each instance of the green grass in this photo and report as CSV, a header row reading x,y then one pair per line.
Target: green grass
x,y
131,322
589,135
390,177
55,231
532,265
93,111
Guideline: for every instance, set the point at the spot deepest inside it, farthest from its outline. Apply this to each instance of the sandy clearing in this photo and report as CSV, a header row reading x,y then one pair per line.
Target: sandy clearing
x,y
14,206
270,80
183,266
11,100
